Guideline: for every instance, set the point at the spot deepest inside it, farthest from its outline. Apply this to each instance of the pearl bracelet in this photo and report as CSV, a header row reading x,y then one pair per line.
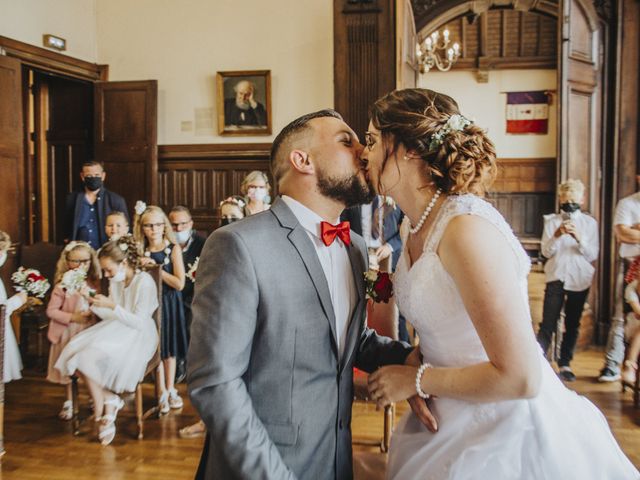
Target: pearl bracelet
x,y
421,371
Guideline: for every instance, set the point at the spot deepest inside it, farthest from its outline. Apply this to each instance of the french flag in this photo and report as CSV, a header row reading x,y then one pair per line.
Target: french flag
x,y
527,112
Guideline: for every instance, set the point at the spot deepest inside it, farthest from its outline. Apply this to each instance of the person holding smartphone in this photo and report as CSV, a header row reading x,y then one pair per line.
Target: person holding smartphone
x,y
570,244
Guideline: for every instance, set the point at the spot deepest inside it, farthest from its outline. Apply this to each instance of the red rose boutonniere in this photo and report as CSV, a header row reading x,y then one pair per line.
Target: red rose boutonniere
x,y
378,286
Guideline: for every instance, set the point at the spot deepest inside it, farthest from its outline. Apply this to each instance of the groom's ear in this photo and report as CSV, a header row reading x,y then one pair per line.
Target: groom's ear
x,y
299,160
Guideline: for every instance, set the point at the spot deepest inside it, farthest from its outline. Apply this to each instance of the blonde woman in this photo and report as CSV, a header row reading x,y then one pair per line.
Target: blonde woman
x,y
256,189
462,282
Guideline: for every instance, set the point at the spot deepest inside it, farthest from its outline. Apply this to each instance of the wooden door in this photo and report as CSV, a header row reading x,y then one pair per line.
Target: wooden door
x,y
580,137
125,123
12,208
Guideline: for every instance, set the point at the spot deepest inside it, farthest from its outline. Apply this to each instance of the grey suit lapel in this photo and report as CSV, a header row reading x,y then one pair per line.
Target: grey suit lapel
x,y
358,267
300,240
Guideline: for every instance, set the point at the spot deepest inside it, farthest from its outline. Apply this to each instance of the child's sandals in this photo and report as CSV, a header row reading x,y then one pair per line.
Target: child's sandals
x,y
66,413
107,429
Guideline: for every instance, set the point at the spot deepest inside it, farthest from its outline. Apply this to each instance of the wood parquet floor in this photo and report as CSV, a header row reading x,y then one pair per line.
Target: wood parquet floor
x,y
40,446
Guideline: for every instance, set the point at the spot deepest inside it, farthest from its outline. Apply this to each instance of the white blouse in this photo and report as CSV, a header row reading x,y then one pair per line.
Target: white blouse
x,y
568,260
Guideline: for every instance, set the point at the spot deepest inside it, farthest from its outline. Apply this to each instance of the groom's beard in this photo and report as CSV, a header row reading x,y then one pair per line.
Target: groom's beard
x,y
350,190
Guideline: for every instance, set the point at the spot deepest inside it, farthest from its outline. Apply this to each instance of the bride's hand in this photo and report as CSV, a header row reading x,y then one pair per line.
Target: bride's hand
x,y
392,383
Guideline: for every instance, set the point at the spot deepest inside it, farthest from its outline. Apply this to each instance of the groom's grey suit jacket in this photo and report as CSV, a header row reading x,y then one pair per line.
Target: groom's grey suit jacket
x,y
264,371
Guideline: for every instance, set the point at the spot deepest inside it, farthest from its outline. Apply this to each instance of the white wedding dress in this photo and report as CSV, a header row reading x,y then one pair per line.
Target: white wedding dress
x,y
558,435
12,359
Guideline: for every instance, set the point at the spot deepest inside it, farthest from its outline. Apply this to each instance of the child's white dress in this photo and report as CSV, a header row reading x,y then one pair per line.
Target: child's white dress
x,y
12,360
115,352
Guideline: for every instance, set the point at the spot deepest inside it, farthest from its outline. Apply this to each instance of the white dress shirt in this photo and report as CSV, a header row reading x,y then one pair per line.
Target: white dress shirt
x,y
568,260
628,213
336,266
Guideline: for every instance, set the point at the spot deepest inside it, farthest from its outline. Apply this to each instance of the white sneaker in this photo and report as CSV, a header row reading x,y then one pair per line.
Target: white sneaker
x,y
163,403
174,399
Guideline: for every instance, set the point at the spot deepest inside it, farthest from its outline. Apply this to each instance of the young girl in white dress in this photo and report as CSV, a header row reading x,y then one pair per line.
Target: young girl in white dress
x,y
68,311
12,360
113,354
462,282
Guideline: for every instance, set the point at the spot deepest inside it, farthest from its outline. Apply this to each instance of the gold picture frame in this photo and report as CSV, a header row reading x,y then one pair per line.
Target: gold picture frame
x,y
244,102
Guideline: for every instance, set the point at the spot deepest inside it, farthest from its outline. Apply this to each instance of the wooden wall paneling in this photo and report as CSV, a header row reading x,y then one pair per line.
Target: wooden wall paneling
x,y
200,176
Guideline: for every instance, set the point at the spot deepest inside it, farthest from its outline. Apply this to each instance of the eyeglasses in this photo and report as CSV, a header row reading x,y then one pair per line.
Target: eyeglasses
x,y
150,226
180,224
79,261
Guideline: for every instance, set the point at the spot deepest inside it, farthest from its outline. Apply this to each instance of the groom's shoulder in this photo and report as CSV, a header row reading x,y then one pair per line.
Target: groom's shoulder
x,y
256,226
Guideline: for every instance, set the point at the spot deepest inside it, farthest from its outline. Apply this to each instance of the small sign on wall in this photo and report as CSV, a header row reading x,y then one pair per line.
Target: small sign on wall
x,y
528,112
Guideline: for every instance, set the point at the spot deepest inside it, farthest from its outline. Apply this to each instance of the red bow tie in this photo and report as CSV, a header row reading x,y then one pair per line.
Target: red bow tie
x,y
330,232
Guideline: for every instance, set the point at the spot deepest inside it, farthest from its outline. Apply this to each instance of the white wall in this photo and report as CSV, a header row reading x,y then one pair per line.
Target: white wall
x,y
184,43
485,103
73,20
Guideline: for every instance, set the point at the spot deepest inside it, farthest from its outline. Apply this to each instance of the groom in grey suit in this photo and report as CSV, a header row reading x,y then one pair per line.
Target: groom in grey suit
x,y
279,318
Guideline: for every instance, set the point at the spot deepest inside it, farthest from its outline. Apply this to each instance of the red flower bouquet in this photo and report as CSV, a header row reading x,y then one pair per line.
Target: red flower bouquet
x,y
31,281
378,286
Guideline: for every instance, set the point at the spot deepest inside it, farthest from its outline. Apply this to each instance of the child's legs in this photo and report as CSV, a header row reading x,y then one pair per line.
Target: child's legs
x,y
69,389
169,371
98,394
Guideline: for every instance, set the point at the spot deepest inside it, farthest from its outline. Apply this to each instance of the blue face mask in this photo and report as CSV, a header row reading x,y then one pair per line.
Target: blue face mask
x,y
183,236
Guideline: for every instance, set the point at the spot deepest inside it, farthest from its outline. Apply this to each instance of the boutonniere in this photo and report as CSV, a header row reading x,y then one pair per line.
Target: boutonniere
x,y
191,274
378,286
389,202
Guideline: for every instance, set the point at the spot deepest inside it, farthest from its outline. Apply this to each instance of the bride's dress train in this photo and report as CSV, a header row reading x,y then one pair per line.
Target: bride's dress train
x,y
558,435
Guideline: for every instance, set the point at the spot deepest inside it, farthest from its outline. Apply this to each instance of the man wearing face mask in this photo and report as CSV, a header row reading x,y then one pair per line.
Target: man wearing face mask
x,y
86,210
570,243
191,243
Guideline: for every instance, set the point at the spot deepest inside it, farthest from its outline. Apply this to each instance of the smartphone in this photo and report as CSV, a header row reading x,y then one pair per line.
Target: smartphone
x,y
566,216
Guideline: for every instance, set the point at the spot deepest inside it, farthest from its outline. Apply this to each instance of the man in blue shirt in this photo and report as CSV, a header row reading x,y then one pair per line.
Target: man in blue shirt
x,y
87,210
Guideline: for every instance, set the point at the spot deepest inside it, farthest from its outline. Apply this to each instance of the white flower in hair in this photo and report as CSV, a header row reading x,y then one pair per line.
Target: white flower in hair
x,y
455,123
124,247
140,207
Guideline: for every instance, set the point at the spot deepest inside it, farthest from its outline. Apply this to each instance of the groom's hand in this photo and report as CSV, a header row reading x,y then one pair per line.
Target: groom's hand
x,y
419,405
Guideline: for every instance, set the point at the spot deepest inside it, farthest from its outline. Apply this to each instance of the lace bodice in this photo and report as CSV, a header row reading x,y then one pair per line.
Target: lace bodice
x,y
428,297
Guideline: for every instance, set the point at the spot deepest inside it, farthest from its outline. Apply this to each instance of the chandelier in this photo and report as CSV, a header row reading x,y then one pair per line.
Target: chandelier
x,y
434,51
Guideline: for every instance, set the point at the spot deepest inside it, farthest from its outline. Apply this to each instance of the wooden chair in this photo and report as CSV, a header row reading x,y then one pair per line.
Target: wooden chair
x,y
383,318
634,386
3,319
42,256
150,371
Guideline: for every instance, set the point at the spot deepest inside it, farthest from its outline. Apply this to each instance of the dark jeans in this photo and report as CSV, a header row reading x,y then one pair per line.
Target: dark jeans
x,y
403,332
554,297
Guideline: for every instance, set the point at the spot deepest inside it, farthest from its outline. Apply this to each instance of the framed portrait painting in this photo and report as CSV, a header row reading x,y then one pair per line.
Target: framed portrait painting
x,y
244,102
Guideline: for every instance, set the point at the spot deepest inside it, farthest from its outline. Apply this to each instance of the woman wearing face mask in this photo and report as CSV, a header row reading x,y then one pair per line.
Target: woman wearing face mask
x,y
113,354
570,243
12,360
255,187
231,210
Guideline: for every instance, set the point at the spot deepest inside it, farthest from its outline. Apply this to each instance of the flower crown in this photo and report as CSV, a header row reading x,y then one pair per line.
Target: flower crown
x,y
235,201
140,207
456,123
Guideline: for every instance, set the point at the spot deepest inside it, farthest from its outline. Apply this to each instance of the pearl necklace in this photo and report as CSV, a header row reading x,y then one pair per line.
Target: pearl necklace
x,y
167,252
425,214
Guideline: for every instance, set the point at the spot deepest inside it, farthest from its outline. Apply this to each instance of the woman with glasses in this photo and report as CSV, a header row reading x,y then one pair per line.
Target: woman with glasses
x,y
68,311
256,189
153,232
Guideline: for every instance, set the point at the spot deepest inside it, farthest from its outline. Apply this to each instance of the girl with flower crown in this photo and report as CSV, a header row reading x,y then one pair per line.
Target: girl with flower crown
x,y
12,360
112,355
153,232
68,311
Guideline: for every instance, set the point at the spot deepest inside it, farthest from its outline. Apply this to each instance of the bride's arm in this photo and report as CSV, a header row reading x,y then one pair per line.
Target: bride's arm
x,y
483,266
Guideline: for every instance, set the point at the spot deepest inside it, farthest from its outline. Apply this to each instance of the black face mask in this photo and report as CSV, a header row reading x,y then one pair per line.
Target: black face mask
x,y
570,207
227,221
93,183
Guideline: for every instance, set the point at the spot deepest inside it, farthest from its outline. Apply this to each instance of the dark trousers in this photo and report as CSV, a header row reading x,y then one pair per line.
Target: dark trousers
x,y
554,297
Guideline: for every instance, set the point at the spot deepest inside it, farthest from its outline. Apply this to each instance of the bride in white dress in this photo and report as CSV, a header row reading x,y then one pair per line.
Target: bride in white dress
x,y
462,282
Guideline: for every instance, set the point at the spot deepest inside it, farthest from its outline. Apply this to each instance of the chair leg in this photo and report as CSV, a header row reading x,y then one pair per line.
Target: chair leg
x,y
2,451
389,414
139,411
75,419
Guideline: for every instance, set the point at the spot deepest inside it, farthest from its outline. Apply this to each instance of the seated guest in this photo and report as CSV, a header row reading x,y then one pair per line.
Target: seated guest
x,y
86,211
12,360
116,225
68,311
231,210
570,243
632,327
256,189
112,355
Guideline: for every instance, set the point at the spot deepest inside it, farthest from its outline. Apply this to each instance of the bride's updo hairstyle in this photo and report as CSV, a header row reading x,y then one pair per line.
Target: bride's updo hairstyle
x,y
124,247
458,160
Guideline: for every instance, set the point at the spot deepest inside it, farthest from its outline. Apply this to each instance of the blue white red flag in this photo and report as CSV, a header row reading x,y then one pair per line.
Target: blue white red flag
x,y
528,112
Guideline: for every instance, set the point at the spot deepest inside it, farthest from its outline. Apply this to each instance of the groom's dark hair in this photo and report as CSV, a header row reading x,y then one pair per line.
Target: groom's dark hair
x,y
298,126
